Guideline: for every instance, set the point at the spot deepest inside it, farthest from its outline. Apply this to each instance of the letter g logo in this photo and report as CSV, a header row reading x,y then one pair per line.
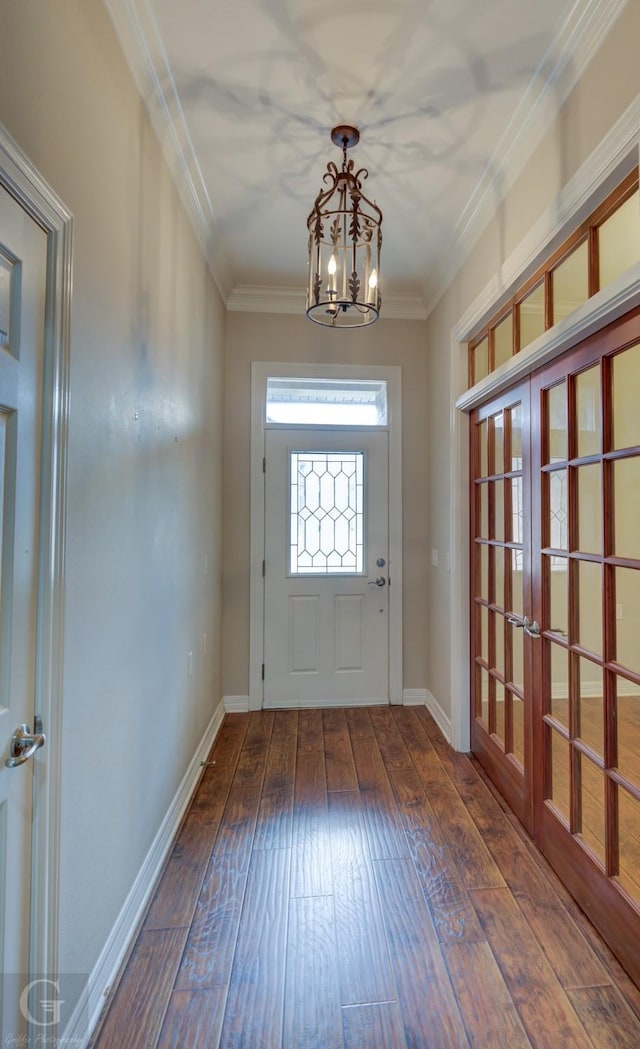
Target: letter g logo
x,y
49,1008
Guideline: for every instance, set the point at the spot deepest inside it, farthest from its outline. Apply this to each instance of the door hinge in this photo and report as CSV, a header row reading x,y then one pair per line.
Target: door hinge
x,y
263,569
263,671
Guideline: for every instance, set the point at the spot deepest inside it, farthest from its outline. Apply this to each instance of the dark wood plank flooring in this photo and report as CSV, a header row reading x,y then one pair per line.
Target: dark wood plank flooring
x,y
344,880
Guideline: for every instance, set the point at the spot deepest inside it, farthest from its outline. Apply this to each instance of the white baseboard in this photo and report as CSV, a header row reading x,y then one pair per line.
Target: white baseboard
x,y
588,690
593,689
414,697
442,720
107,967
236,704
421,697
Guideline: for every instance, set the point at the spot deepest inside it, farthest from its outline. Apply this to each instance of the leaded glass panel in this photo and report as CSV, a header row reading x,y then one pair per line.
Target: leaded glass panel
x,y
327,513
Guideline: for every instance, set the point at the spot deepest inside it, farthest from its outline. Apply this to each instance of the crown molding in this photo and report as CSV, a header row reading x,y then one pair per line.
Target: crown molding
x,y
257,298
612,159
562,66
559,71
137,31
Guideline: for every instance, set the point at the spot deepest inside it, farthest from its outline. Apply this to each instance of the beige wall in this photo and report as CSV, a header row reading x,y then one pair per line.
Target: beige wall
x,y
608,86
145,456
267,337
145,489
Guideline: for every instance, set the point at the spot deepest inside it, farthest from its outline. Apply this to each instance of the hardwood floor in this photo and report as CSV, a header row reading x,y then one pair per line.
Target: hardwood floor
x,y
344,880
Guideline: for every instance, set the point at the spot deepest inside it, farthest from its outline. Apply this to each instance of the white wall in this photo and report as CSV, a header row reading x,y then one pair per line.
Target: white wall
x,y
144,456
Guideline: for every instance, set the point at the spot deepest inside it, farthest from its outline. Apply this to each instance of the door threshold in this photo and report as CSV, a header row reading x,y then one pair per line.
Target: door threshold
x,y
327,704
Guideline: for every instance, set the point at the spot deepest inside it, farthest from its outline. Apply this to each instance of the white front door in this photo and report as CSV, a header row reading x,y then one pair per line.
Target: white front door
x,y
23,275
326,572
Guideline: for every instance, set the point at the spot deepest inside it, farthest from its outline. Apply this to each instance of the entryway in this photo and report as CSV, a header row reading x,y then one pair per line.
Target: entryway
x,y
326,568
326,507
555,558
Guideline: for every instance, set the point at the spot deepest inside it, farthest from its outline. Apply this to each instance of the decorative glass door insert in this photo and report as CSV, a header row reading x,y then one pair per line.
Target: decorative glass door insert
x,y
327,513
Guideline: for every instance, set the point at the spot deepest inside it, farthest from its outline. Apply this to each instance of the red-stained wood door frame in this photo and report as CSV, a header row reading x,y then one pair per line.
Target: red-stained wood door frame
x,y
594,885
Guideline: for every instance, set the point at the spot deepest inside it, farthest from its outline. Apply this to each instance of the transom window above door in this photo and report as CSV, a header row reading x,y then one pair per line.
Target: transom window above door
x,y
326,402
603,247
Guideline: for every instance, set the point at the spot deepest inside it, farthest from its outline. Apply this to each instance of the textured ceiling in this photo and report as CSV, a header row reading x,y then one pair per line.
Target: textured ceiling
x,y
436,88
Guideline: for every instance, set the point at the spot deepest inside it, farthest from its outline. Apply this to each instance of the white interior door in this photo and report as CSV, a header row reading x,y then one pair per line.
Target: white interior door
x,y
326,568
23,274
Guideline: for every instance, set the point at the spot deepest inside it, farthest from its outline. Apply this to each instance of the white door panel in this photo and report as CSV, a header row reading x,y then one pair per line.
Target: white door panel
x,y
23,258
304,634
326,620
349,615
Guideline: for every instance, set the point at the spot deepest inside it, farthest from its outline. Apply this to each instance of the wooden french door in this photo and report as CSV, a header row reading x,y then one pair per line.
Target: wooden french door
x,y
501,731
575,781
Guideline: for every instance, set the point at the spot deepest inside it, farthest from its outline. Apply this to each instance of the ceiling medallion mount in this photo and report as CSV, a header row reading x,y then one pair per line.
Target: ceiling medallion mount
x,y
345,132
345,239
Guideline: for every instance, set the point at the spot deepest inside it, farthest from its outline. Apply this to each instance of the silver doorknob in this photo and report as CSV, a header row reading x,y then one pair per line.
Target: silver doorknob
x,y
530,626
380,581
24,744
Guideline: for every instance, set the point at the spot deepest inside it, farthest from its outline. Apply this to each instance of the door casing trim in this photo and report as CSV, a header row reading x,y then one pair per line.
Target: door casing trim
x,y
260,371
26,185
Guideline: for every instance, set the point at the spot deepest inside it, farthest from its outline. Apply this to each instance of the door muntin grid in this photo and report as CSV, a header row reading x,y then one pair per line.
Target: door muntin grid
x,y
326,513
591,709
498,579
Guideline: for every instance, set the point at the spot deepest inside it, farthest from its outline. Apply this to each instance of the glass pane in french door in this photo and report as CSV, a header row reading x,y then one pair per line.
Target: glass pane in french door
x,y
585,592
499,524
568,566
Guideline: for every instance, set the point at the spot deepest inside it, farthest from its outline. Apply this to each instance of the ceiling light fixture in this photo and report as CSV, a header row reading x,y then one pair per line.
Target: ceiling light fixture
x,y
345,238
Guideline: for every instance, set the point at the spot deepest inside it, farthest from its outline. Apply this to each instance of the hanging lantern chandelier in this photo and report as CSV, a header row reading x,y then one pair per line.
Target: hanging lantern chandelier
x,y
345,238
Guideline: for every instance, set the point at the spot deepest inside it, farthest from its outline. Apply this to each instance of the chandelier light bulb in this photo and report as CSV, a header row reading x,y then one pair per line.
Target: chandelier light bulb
x,y
331,269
